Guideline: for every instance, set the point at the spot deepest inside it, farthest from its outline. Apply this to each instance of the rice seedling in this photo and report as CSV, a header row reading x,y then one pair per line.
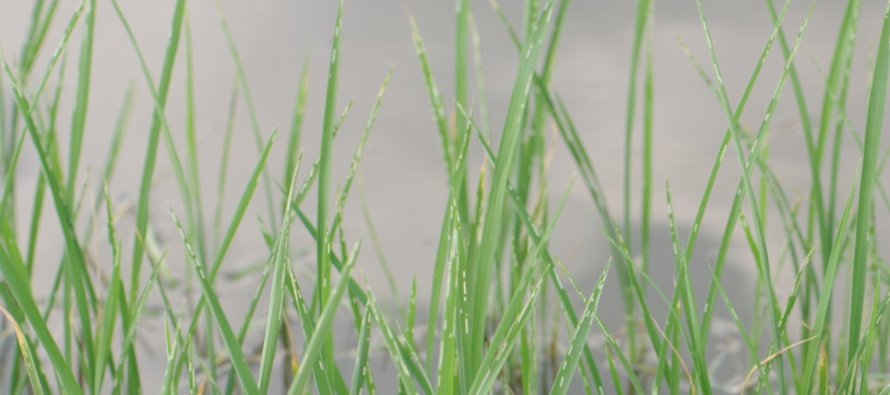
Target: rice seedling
x,y
504,309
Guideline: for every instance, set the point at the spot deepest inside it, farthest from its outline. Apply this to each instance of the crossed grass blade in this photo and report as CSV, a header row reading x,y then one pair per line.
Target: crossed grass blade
x,y
578,340
312,352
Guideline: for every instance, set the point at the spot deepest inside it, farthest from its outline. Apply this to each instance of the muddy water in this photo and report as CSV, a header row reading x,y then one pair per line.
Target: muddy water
x,y
402,172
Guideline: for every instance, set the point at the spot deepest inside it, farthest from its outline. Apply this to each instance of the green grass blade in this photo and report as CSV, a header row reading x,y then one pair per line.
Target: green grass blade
x,y
873,126
363,140
323,242
449,224
461,59
224,164
193,177
248,100
360,372
152,145
642,13
276,298
296,129
436,103
307,323
647,166
109,312
447,341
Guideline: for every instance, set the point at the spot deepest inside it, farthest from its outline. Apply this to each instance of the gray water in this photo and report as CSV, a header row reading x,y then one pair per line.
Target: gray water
x,y
403,176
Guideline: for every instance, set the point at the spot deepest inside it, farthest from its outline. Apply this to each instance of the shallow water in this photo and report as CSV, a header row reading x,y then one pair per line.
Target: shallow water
x,y
403,176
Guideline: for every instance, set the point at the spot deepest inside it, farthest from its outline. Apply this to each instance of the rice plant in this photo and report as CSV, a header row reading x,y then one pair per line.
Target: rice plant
x,y
118,309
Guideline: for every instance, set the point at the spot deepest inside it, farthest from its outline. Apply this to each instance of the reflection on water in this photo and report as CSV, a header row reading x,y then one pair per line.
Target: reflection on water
x,y
403,177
